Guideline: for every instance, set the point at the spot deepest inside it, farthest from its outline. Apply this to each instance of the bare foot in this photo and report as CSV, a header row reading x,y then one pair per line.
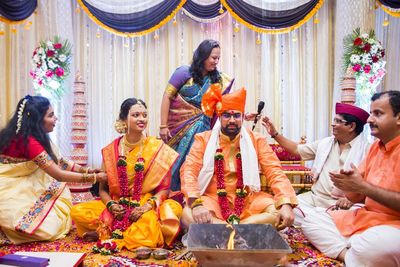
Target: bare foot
x,y
91,236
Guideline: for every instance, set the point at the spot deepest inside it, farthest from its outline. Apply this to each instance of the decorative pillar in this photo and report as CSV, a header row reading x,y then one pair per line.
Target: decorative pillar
x,y
348,87
350,15
80,191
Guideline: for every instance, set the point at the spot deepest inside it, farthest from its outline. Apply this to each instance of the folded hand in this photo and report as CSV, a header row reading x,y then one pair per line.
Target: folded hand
x,y
117,211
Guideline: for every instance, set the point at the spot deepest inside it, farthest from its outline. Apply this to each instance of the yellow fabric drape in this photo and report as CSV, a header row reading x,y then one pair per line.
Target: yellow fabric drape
x,y
149,231
389,11
5,20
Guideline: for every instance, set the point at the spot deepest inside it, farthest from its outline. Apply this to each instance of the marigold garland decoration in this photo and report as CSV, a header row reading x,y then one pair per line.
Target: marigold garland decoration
x,y
50,62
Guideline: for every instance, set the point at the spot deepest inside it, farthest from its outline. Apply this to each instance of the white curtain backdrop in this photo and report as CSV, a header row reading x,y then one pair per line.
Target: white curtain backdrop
x,y
297,74
277,5
390,38
123,6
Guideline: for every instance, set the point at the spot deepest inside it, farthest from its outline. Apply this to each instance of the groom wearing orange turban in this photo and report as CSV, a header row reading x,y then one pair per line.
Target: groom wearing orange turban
x,y
221,176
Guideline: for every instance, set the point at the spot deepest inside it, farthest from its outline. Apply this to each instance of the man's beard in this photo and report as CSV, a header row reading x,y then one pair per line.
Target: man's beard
x,y
230,131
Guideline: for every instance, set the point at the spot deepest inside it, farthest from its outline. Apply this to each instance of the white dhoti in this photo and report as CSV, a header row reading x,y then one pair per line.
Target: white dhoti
x,y
310,203
304,208
377,246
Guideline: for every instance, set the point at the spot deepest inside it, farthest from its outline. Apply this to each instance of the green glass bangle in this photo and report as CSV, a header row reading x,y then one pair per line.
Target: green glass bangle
x,y
110,203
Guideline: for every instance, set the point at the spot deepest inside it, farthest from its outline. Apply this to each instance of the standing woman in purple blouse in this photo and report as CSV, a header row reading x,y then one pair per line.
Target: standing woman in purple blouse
x,y
181,114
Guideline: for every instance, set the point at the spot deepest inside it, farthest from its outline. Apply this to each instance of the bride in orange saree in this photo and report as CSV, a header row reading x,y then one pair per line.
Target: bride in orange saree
x,y
133,209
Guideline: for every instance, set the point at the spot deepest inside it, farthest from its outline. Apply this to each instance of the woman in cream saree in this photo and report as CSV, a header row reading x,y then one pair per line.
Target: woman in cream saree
x,y
35,202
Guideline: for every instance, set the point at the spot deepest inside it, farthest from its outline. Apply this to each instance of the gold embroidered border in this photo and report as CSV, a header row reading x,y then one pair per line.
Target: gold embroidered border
x,y
286,200
171,90
6,159
65,164
31,220
43,160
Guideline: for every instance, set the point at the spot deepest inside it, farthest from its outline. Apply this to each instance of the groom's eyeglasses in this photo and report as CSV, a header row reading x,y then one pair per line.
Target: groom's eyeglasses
x,y
227,116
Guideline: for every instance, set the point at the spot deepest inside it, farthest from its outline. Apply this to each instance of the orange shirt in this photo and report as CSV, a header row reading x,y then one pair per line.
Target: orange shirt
x,y
380,168
268,162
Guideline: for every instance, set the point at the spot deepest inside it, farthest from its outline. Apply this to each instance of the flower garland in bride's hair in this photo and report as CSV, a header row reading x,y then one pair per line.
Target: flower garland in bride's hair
x,y
50,62
363,55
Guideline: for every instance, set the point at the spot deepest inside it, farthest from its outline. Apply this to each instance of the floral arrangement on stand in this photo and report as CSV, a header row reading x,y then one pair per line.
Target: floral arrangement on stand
x,y
50,62
363,57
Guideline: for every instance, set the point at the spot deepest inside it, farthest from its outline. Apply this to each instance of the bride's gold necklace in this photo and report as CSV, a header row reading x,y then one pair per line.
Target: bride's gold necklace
x,y
127,147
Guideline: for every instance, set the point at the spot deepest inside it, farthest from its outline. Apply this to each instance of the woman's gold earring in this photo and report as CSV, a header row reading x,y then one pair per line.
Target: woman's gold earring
x,y
120,126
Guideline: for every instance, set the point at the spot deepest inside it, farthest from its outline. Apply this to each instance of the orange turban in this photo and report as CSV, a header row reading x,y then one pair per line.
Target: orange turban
x,y
214,101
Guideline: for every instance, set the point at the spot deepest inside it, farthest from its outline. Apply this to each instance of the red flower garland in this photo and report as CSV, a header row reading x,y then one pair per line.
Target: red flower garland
x,y
229,215
106,247
119,226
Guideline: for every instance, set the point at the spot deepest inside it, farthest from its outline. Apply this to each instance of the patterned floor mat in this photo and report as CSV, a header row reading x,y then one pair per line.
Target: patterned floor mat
x,y
304,254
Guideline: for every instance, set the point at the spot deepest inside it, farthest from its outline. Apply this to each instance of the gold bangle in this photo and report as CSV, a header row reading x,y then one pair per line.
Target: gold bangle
x,y
163,126
152,202
83,169
85,177
94,178
197,202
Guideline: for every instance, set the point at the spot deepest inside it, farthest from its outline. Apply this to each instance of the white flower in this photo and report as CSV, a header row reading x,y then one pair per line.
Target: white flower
x,y
44,67
35,58
366,59
62,58
49,44
52,65
371,41
40,51
54,84
374,49
365,35
375,67
354,59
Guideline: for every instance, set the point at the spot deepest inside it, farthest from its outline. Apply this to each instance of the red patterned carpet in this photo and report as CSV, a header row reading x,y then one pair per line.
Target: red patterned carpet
x,y
304,254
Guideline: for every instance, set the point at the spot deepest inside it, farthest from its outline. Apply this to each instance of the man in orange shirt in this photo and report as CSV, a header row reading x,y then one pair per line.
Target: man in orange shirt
x,y
220,177
368,236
